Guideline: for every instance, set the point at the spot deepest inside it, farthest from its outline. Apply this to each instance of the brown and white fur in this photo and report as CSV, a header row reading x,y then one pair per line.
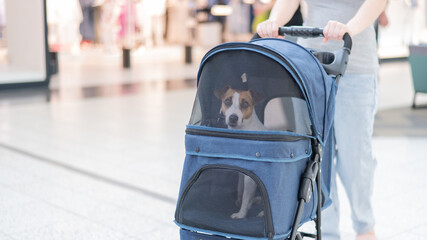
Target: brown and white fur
x,y
238,108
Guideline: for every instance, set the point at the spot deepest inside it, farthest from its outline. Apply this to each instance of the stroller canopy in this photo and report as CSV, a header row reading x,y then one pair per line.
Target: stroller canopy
x,y
289,89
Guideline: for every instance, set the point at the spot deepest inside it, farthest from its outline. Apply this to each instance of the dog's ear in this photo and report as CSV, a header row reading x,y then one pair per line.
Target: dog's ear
x,y
256,96
219,93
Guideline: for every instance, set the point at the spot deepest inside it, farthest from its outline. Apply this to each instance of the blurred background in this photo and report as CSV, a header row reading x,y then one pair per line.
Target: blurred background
x,y
95,96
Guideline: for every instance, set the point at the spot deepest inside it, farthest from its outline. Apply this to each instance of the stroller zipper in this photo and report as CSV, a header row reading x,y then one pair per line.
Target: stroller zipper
x,y
245,136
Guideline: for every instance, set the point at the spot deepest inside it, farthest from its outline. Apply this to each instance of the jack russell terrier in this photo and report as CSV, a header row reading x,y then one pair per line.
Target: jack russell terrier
x,y
238,108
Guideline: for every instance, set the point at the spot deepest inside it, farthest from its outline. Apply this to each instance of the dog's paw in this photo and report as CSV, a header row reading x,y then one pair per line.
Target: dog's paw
x,y
238,215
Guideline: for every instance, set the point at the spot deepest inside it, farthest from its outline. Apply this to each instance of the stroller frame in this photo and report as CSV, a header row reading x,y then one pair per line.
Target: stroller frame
x,y
311,175
334,64
312,172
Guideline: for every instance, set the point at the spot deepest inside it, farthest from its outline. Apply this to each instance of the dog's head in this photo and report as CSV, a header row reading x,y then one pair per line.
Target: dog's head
x,y
237,105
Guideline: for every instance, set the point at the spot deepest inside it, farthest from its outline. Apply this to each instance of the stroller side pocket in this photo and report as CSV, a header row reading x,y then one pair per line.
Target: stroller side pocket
x,y
226,199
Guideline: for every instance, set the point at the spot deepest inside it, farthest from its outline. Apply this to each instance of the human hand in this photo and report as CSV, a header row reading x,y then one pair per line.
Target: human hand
x,y
335,31
268,28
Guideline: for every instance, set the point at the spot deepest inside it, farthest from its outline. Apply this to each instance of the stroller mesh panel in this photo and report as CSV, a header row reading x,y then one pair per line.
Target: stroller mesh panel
x,y
213,199
258,95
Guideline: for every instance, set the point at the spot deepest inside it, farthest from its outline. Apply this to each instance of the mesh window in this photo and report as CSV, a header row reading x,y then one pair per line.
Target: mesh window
x,y
225,200
246,90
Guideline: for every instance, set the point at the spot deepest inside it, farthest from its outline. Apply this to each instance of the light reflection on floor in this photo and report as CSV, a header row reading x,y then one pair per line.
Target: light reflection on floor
x,y
42,94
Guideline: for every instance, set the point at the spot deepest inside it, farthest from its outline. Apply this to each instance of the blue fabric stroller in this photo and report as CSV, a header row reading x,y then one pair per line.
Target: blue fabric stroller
x,y
262,115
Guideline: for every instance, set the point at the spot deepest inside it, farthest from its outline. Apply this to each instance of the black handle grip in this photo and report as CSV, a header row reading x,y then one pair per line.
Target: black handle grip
x,y
348,43
312,32
297,32
301,31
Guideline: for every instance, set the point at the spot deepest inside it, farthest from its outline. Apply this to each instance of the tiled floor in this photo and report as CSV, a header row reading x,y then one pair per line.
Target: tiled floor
x,y
108,165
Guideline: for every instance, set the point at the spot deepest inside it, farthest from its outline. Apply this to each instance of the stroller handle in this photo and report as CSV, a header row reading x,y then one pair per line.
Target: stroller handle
x,y
311,32
334,62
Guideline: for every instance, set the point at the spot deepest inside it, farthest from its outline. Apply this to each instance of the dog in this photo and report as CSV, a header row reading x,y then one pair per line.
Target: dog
x,y
238,108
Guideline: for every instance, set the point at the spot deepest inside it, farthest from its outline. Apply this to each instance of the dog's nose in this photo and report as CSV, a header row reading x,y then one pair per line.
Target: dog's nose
x,y
233,118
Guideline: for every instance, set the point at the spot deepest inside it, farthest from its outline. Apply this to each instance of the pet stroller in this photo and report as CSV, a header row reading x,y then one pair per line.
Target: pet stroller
x,y
291,90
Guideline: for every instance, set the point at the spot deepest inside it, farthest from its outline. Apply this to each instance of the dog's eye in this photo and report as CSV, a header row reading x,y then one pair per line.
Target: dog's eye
x,y
244,105
228,102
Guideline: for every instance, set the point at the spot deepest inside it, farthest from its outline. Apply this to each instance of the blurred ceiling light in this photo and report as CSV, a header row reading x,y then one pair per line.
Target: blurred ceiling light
x,y
221,10
265,1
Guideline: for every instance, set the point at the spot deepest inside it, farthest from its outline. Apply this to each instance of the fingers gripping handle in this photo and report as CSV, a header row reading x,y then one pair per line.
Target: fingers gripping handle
x,y
311,32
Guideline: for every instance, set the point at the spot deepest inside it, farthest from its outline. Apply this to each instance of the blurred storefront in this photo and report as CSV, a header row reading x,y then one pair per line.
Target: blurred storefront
x,y
76,25
116,24
407,25
106,29
23,42
112,25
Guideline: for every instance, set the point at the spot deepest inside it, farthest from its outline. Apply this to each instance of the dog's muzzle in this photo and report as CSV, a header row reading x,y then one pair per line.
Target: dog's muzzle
x,y
232,120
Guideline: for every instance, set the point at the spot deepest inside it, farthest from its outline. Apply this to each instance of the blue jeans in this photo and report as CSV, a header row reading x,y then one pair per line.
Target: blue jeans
x,y
354,119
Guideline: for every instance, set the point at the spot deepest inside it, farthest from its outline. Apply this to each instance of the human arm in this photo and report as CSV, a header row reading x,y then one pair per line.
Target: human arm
x,y
282,12
260,8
